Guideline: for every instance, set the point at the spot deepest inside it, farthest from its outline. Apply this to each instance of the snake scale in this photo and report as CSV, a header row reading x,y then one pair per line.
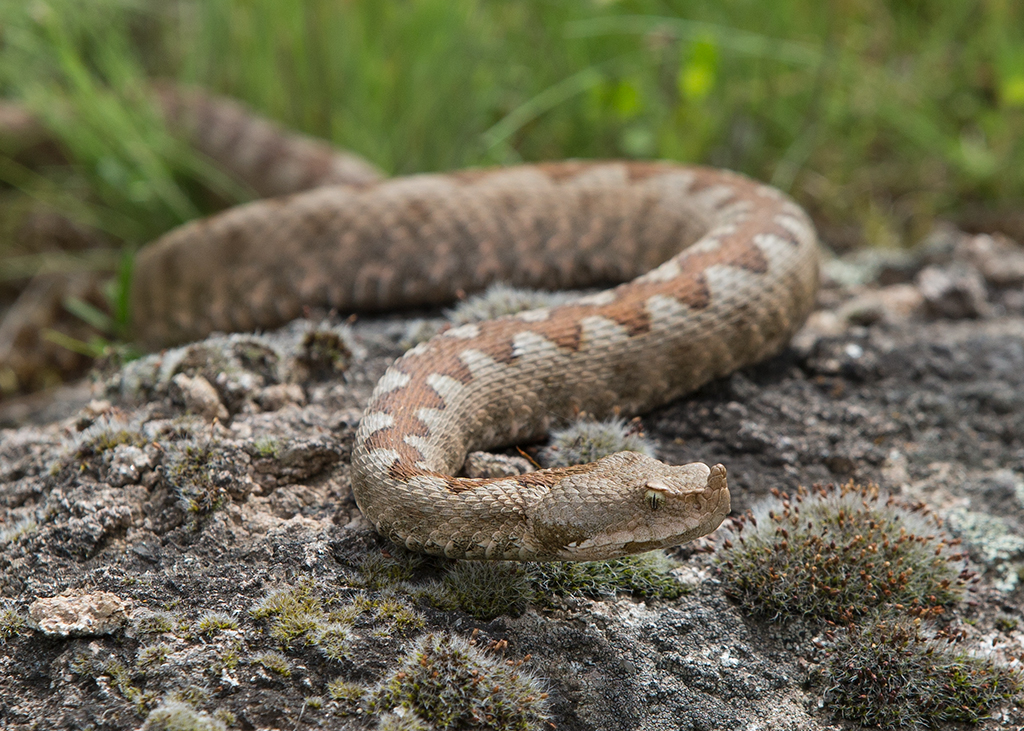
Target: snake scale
x,y
719,272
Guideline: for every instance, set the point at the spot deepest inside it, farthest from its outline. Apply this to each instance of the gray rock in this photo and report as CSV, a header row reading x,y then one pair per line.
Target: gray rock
x,y
78,615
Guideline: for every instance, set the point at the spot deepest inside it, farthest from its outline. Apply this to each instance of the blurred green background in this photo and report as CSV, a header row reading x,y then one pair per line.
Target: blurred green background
x,y
877,115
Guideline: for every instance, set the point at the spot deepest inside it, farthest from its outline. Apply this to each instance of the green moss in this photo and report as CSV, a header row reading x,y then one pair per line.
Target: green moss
x,y
152,655
155,623
292,626
287,600
199,474
295,613
646,575
275,662
303,614
333,640
174,715
890,674
837,554
486,589
267,447
348,694
120,677
1006,623
213,622
225,716
81,664
194,695
396,613
227,659
450,684
587,440
324,353
385,615
380,572
20,529
12,623
106,433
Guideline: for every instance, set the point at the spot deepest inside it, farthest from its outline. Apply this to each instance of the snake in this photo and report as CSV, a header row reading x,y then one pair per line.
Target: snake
x,y
698,272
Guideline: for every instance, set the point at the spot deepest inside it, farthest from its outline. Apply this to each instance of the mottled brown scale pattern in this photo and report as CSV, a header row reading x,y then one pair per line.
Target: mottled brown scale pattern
x,y
732,274
259,153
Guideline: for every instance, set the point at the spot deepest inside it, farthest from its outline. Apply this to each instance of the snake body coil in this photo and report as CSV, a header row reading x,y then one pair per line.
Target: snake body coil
x,y
720,271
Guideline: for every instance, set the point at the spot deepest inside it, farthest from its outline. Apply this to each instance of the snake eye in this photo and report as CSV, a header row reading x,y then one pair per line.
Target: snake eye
x,y
654,499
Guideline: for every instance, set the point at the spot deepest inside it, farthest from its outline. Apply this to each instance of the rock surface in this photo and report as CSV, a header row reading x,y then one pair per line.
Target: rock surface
x,y
202,489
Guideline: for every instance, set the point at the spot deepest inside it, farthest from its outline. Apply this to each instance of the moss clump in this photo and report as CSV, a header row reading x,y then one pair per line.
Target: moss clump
x,y
106,433
1006,624
303,614
173,715
12,623
346,693
837,554
226,659
334,641
488,589
393,613
324,353
154,623
888,673
152,655
485,589
380,572
267,447
200,475
116,674
294,612
587,440
20,529
645,574
449,684
213,622
275,662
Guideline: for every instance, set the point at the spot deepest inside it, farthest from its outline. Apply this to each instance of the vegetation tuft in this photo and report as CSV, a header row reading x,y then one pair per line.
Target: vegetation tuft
x,y
313,616
645,575
152,655
12,622
176,715
19,529
105,433
488,589
153,623
213,622
586,440
485,589
346,693
877,116
201,473
324,352
889,673
838,554
446,683
275,662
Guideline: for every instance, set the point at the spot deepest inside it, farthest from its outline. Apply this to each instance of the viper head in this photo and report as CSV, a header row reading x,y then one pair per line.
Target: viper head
x,y
627,503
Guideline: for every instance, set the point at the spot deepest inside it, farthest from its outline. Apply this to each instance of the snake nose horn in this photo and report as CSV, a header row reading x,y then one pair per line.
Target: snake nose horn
x,y
716,480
